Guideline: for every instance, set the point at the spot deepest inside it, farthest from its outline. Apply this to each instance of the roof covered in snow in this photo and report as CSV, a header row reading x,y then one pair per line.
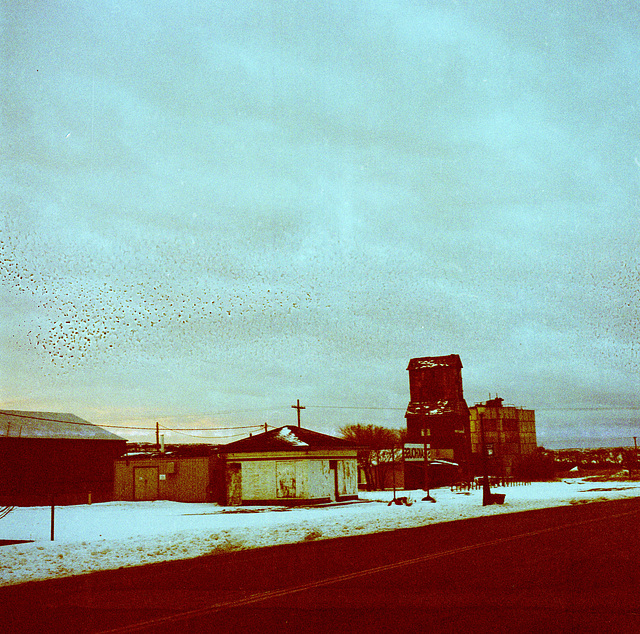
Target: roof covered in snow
x,y
50,425
436,408
431,408
288,438
421,363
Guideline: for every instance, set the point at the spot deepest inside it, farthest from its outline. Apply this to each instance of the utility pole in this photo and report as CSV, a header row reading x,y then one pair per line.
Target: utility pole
x,y
157,436
427,451
53,516
486,490
393,468
298,407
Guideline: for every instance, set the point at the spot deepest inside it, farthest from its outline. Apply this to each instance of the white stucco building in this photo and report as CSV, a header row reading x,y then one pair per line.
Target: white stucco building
x,y
289,465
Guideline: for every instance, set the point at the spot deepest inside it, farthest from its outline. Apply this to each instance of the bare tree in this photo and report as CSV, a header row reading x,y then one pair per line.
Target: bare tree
x,y
377,450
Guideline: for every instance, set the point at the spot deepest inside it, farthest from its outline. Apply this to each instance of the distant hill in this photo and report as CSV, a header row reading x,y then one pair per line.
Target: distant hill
x,y
581,442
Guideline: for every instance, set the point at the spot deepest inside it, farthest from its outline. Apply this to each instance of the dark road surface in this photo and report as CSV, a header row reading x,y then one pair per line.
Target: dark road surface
x,y
568,569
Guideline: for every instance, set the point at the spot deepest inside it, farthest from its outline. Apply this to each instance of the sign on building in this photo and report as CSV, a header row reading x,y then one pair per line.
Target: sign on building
x,y
415,453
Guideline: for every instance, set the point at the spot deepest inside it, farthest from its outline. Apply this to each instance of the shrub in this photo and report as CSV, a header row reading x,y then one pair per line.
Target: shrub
x,y
535,468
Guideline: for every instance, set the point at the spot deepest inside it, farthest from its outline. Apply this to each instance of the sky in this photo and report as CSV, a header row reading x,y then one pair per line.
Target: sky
x,y
211,210
88,538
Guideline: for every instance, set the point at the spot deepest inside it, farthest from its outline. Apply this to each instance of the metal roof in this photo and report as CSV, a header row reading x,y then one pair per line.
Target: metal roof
x,y
50,425
288,438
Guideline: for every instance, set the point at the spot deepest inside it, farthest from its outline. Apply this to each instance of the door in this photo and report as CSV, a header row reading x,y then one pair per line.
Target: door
x,y
333,480
145,483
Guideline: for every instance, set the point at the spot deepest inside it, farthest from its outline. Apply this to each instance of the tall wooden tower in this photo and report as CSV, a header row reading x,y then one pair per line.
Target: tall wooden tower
x,y
437,413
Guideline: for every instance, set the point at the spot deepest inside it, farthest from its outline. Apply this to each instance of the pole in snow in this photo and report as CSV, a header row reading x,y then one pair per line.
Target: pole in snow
x,y
486,489
393,467
53,513
427,451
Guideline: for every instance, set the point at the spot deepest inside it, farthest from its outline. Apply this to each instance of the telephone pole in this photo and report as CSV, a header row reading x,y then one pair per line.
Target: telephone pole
x,y
298,407
486,489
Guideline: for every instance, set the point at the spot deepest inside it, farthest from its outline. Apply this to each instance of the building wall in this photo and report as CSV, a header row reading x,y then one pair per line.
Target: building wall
x,y
435,383
290,478
509,432
347,477
449,438
176,479
296,479
33,471
437,413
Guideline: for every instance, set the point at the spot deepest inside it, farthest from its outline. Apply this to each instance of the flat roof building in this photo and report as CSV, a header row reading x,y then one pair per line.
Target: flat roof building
x,y
507,432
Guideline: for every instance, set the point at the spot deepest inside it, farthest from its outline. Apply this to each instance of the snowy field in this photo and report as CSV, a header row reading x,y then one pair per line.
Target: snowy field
x,y
116,534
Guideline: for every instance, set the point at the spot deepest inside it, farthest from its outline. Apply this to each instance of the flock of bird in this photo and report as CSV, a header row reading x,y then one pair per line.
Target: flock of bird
x,y
74,320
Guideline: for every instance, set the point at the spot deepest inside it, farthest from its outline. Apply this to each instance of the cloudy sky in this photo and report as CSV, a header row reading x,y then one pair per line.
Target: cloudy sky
x,y
212,209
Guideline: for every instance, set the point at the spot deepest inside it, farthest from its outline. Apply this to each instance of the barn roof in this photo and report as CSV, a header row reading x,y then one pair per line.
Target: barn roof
x,y
287,439
50,425
450,361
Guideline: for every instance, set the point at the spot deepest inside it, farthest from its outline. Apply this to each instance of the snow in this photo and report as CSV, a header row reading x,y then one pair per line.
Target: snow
x,y
427,408
289,436
436,362
106,536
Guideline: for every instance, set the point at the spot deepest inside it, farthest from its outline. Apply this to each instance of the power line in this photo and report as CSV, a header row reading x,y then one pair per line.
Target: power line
x,y
178,431
633,408
87,424
336,407
395,409
70,422
181,429
51,420
542,409
210,428
233,411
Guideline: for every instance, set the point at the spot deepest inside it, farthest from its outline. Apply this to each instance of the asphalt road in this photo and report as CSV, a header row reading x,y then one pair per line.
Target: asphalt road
x,y
569,569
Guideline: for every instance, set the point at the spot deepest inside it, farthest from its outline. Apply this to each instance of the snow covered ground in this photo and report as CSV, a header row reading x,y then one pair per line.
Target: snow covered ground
x,y
116,534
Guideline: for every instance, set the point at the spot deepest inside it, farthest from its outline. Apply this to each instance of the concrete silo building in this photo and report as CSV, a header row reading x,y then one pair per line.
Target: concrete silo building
x,y
507,432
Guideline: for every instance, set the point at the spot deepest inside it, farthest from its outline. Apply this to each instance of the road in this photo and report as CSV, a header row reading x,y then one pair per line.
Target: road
x,y
568,569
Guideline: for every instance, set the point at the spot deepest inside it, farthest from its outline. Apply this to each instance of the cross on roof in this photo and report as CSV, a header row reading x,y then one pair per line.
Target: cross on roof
x,y
298,407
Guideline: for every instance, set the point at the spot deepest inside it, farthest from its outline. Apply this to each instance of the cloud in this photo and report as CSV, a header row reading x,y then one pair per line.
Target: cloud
x,y
229,207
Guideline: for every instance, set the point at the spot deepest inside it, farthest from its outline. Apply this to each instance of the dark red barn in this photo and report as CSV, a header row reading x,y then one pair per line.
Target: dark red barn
x,y
49,455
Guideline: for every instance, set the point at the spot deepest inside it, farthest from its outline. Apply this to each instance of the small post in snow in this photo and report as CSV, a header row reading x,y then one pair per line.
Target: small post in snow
x,y
393,469
53,515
